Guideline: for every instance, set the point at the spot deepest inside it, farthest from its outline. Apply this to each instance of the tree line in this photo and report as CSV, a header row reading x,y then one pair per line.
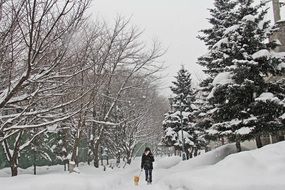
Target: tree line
x,y
243,96
65,78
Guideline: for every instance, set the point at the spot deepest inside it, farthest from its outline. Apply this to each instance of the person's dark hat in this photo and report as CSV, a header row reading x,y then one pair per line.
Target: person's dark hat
x,y
147,149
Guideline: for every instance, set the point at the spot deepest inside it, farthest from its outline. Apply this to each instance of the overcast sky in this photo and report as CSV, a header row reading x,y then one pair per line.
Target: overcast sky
x,y
175,23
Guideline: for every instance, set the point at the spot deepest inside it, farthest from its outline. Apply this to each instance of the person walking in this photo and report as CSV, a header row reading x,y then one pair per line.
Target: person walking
x,y
147,164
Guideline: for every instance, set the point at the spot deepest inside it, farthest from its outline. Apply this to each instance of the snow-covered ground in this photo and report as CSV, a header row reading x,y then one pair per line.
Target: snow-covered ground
x,y
219,169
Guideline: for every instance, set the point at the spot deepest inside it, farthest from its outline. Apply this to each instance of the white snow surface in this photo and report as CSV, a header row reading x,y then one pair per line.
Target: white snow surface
x,y
281,66
168,162
220,169
249,18
223,78
268,96
231,29
244,131
261,53
220,42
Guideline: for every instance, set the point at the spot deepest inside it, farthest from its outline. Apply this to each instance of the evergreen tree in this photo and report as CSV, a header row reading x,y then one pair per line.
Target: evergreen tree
x,y
182,109
240,90
222,17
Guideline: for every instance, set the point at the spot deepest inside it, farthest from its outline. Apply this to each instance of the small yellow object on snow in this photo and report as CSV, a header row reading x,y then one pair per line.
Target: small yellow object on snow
x,y
136,180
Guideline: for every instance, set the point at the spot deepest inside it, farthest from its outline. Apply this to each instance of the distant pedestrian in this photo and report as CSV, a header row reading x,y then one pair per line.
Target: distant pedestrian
x,y
146,164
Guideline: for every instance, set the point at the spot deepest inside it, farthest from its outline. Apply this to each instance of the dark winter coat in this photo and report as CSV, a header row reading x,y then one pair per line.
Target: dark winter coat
x,y
147,161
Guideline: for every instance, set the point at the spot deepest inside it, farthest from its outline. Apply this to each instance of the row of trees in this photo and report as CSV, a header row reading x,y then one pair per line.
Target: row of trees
x,y
65,78
242,99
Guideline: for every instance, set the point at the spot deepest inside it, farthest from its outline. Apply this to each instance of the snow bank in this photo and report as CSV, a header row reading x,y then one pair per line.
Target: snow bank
x,y
206,159
219,169
168,162
260,169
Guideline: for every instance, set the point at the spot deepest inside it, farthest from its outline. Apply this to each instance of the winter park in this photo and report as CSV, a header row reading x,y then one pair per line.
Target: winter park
x,y
132,94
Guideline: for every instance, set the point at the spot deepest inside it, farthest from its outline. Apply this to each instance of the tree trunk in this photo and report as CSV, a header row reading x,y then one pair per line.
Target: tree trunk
x,y
14,170
258,142
74,156
129,157
89,157
195,152
96,154
191,153
14,164
187,153
34,160
223,140
281,136
118,159
238,146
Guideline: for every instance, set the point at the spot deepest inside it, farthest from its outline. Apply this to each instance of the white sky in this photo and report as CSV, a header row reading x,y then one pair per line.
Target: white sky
x,y
175,23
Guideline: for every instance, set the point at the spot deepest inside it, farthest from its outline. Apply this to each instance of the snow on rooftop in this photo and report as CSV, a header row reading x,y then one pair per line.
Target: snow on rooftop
x,y
261,53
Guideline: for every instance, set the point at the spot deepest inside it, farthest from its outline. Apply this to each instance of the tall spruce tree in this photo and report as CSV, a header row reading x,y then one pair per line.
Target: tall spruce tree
x,y
223,16
248,105
181,108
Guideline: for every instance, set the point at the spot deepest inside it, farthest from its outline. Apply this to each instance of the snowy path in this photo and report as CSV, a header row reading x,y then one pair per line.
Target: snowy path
x,y
261,169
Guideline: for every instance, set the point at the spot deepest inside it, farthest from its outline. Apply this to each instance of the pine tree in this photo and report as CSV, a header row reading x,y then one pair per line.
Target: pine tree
x,y
222,17
241,92
181,103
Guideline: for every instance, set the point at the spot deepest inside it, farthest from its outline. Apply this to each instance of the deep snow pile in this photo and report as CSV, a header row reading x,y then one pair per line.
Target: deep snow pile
x,y
168,162
260,169
219,169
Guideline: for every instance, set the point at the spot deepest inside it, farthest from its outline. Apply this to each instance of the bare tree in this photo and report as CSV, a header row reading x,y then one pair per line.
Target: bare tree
x,y
35,37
